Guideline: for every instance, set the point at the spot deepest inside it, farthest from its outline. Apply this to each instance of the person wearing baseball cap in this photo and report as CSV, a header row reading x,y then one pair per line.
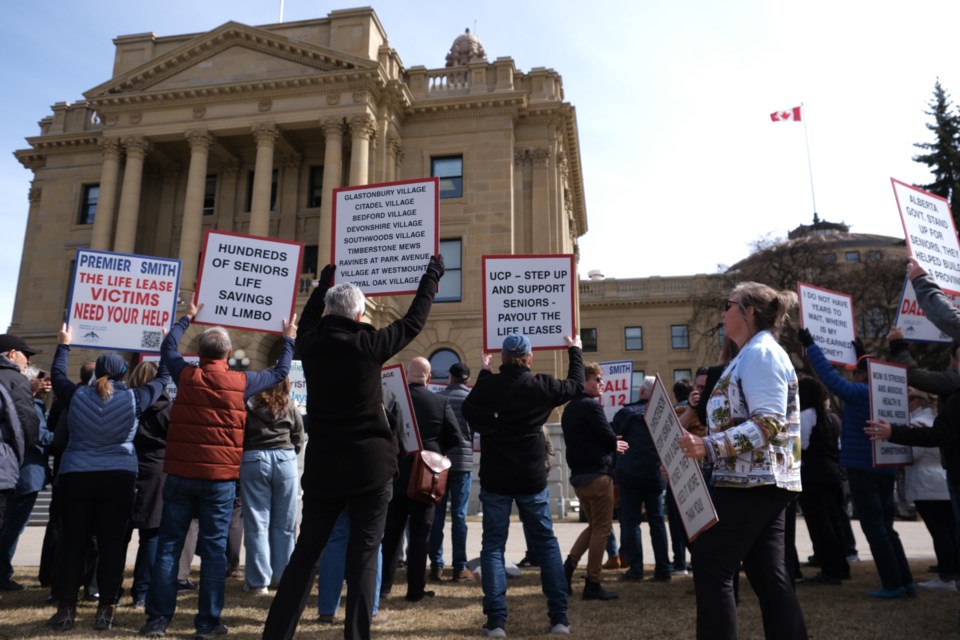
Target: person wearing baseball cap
x,y
19,423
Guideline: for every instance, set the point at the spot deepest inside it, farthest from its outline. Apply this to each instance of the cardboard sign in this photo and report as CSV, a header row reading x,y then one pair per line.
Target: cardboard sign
x,y
686,481
298,386
615,390
385,234
828,315
122,301
889,401
436,387
931,234
248,282
190,358
394,378
912,320
530,295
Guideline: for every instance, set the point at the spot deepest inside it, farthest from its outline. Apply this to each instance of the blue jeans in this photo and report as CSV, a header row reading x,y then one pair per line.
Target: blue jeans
x,y
633,499
333,564
538,527
458,491
268,491
872,495
15,521
211,501
143,567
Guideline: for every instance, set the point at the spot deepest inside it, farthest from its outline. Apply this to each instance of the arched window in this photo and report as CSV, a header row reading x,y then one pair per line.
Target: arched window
x,y
440,362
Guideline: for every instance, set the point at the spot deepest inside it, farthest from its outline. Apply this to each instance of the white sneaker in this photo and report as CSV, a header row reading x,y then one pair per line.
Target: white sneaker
x,y
560,629
257,591
495,632
937,583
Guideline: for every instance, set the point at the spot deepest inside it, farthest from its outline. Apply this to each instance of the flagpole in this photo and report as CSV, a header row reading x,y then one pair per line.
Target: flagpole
x,y
806,140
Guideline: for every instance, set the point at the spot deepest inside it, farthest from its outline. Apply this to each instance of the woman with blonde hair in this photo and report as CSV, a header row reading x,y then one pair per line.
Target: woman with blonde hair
x,y
97,474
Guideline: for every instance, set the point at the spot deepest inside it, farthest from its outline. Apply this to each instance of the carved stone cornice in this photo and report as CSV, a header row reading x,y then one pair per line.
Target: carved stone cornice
x,y
363,127
32,161
265,134
136,146
199,139
111,148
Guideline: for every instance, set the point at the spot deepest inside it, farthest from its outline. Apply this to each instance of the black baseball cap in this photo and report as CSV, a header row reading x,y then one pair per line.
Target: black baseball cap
x,y
460,371
11,342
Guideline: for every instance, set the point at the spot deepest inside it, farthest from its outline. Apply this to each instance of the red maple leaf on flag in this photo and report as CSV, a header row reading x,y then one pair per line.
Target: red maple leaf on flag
x,y
789,115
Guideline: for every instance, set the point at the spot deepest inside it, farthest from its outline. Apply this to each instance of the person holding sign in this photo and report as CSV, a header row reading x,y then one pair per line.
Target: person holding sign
x,y
351,458
870,487
939,309
753,440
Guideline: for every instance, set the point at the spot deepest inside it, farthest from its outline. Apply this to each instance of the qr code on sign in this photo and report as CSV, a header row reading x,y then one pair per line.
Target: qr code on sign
x,y
151,340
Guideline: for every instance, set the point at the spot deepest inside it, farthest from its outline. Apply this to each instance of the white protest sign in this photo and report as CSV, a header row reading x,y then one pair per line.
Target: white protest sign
x,y
615,390
190,358
530,295
385,234
931,234
913,322
686,481
395,379
248,282
828,315
436,387
122,301
888,401
298,386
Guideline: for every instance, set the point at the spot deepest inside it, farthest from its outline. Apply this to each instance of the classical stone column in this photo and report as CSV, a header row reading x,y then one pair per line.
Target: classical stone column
x,y
362,129
289,188
394,153
191,230
126,236
107,202
332,178
544,238
266,136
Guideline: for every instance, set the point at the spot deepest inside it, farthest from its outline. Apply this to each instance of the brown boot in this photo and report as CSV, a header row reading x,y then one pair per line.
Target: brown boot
x,y
612,563
463,575
104,619
436,573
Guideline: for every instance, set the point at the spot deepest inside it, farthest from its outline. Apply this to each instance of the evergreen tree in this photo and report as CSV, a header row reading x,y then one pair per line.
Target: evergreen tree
x,y
943,155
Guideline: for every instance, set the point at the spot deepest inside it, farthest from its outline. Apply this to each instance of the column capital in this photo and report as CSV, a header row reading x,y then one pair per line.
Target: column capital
x,y
541,157
111,148
332,126
395,145
363,127
291,160
199,139
265,134
136,146
230,169
36,193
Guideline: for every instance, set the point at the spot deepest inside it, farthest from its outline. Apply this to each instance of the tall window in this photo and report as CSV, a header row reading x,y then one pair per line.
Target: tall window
x,y
273,190
88,203
311,253
682,374
679,336
852,256
589,339
636,379
210,195
633,338
452,280
315,186
440,362
450,171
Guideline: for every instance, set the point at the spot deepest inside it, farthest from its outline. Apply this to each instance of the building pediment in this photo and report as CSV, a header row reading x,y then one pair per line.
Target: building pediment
x,y
230,55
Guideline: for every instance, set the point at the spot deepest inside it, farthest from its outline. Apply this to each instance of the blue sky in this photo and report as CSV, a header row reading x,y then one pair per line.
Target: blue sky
x,y
683,168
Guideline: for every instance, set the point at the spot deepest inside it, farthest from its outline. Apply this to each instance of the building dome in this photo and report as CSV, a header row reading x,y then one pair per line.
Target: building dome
x,y
465,48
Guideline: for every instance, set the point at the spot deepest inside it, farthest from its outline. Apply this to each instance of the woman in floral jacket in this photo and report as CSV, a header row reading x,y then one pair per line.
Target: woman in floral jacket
x,y
753,441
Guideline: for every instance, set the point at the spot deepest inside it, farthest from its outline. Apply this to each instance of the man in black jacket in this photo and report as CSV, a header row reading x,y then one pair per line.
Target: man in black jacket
x,y
19,422
508,409
591,445
351,458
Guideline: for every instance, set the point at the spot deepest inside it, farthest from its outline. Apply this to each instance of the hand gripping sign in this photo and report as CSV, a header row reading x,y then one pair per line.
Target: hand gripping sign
x,y
615,389
931,234
686,481
395,378
122,301
531,295
913,322
828,316
385,234
888,401
248,282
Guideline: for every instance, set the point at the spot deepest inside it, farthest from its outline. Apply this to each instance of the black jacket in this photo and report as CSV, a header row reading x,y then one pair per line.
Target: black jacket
x,y
151,445
461,455
508,410
945,433
820,462
436,423
640,465
590,442
21,391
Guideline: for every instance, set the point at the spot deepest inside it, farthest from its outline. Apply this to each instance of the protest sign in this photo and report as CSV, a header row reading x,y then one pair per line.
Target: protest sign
x,y
395,378
385,234
913,322
436,387
615,390
686,481
248,282
531,295
931,234
122,301
828,315
888,401
190,358
298,386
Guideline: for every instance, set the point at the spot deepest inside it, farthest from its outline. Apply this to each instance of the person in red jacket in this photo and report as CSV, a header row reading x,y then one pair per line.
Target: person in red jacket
x,y
202,463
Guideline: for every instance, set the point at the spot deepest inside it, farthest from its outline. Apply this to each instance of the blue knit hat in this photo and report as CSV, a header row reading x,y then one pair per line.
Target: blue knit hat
x,y
516,345
111,365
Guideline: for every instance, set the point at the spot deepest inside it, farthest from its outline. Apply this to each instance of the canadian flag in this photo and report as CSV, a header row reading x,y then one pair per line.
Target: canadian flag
x,y
790,115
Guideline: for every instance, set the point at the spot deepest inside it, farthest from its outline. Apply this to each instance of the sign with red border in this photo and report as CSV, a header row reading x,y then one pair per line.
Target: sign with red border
x,y
930,232
889,401
394,378
828,316
615,388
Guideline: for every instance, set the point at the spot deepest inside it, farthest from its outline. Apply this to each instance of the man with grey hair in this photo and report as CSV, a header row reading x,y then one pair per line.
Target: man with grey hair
x,y
202,463
351,457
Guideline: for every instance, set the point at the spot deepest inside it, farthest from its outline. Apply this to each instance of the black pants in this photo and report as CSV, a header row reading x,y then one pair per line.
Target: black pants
x,y
51,554
822,506
368,513
420,515
751,530
938,517
98,503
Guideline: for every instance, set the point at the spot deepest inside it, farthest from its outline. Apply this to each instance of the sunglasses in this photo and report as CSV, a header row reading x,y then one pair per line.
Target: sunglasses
x,y
731,303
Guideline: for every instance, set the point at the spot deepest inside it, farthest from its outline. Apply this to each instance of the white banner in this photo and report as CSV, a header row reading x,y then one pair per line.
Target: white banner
x,y
913,322
930,232
385,234
122,301
190,358
615,390
889,401
298,386
686,481
395,378
529,295
248,282
828,315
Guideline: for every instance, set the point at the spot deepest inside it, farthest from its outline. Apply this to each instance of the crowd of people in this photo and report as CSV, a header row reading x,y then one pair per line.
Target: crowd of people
x,y
765,440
